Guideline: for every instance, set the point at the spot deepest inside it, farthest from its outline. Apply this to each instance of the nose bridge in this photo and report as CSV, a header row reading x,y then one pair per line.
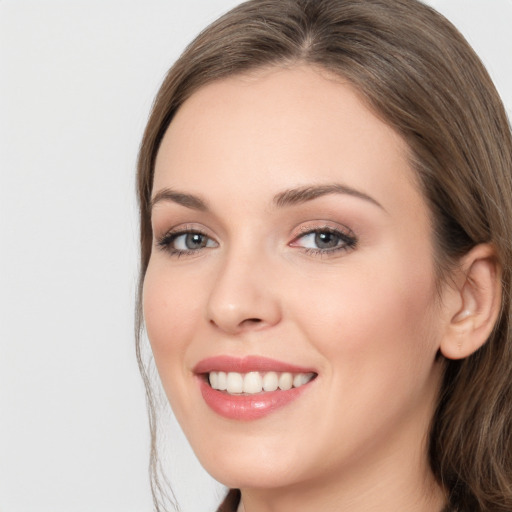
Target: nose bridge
x,y
242,296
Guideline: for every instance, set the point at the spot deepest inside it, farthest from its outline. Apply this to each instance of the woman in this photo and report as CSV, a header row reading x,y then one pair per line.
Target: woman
x,y
325,194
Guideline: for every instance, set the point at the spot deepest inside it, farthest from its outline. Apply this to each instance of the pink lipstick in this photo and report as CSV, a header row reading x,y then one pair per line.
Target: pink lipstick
x,y
251,387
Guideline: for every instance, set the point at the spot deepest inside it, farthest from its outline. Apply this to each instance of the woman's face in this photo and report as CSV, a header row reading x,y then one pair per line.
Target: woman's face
x,y
292,246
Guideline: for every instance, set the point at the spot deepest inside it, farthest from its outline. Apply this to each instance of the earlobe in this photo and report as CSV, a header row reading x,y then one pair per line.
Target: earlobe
x,y
477,305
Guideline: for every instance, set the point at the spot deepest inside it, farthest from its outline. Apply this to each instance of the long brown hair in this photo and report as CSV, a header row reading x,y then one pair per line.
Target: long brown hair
x,y
418,74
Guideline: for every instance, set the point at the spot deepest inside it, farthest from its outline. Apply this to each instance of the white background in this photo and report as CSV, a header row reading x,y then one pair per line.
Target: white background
x,y
77,78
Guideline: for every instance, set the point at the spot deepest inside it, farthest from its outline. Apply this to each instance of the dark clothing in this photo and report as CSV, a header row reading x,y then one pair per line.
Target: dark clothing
x,y
231,502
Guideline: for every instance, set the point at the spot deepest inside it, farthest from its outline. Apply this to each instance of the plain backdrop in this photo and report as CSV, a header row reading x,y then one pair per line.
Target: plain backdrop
x,y
77,78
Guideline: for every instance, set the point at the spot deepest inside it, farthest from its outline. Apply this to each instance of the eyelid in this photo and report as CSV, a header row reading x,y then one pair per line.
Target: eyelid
x,y
347,236
164,241
321,225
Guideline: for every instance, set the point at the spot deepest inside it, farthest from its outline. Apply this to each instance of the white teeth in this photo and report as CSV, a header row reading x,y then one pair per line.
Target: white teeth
x,y
253,383
256,382
214,380
234,383
222,382
270,381
300,379
285,381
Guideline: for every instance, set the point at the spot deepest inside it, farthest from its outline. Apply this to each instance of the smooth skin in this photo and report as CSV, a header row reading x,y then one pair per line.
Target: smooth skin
x,y
343,283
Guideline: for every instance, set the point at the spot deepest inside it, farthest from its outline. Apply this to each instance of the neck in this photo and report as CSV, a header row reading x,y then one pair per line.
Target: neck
x,y
384,496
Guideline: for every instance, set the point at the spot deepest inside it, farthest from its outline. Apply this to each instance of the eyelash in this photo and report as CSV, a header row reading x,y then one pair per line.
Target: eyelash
x,y
166,241
347,241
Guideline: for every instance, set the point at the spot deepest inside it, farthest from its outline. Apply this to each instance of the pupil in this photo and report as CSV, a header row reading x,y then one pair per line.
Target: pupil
x,y
326,240
194,240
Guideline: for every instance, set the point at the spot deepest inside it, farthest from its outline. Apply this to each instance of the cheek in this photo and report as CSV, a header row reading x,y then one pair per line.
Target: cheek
x,y
171,306
378,337
377,314
168,306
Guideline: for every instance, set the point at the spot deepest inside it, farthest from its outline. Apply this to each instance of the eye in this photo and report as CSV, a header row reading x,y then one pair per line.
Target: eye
x,y
321,240
191,242
185,242
325,240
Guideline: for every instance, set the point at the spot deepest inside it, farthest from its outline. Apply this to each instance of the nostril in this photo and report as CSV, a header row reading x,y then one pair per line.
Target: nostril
x,y
244,323
250,323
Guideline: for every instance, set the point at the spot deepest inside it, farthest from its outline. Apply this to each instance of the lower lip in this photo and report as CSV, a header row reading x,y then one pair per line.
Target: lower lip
x,y
247,407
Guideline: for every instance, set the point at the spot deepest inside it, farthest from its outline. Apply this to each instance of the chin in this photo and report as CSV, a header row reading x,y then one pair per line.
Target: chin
x,y
236,474
249,461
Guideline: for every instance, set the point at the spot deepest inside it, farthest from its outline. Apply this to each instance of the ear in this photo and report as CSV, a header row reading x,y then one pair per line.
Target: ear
x,y
474,304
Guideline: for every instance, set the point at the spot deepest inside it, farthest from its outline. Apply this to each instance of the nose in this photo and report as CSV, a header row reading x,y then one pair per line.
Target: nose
x,y
243,296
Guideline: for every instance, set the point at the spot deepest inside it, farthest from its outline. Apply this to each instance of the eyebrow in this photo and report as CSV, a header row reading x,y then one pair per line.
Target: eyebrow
x,y
188,200
299,195
283,199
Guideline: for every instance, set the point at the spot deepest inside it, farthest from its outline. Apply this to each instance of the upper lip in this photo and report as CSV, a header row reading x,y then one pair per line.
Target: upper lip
x,y
246,364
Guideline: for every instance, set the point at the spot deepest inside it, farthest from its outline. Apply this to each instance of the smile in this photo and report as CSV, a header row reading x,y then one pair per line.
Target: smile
x,y
252,383
252,387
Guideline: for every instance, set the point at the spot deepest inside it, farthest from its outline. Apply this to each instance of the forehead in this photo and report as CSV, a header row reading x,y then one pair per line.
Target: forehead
x,y
282,127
